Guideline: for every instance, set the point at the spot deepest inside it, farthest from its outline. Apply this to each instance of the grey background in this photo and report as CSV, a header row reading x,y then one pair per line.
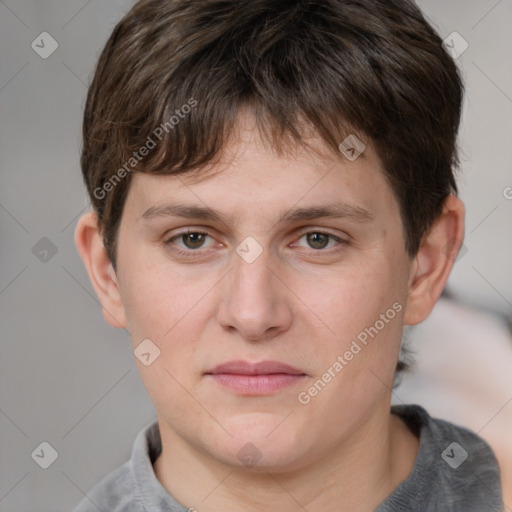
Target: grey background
x,y
68,378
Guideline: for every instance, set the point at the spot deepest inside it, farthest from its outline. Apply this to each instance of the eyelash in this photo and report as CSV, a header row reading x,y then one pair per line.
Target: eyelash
x,y
188,252
199,252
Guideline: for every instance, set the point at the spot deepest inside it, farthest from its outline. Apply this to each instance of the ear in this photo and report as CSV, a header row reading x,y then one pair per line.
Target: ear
x,y
433,263
89,243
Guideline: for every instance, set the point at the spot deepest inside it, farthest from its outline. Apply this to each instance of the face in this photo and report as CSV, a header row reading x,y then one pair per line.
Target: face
x,y
266,261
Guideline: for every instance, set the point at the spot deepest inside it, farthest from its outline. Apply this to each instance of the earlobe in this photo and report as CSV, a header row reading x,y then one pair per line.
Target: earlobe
x,y
433,263
90,246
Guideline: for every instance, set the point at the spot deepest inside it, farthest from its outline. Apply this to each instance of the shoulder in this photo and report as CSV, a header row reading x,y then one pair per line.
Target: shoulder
x,y
456,450
113,493
125,488
455,470
133,487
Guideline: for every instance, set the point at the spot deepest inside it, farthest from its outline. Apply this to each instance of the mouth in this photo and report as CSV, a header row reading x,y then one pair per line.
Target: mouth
x,y
253,379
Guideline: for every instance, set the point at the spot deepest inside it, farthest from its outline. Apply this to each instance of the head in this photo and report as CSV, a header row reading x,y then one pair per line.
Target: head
x,y
308,149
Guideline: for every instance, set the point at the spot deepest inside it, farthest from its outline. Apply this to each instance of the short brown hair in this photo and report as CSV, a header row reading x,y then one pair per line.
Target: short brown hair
x,y
374,68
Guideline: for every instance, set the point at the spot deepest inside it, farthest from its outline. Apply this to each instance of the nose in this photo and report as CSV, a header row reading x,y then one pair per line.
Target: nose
x,y
255,302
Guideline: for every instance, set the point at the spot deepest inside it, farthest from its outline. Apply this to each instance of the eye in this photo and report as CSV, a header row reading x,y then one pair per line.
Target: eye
x,y
318,240
193,240
189,241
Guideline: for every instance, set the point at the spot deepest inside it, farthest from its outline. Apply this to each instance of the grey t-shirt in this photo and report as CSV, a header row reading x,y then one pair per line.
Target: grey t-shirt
x,y
455,471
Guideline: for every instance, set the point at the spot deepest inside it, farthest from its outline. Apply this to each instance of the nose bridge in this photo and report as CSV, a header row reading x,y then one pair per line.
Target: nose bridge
x,y
254,302
250,282
251,277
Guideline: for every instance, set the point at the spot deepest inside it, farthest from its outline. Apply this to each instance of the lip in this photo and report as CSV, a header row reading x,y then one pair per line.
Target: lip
x,y
240,367
253,379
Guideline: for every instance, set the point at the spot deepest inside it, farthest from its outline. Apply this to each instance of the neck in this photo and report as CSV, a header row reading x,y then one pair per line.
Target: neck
x,y
357,475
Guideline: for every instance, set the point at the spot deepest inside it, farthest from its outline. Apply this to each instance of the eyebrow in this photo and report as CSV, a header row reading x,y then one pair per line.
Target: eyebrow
x,y
333,211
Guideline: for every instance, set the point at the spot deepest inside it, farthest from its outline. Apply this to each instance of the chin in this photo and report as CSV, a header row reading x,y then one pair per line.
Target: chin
x,y
260,442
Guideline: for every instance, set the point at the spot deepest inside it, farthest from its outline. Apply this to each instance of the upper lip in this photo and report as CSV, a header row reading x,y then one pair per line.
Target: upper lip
x,y
261,368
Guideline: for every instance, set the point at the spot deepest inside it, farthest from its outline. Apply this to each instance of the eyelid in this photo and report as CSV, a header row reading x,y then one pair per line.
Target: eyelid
x,y
168,240
324,231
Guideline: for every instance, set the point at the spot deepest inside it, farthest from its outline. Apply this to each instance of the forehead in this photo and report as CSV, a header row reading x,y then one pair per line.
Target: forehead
x,y
250,177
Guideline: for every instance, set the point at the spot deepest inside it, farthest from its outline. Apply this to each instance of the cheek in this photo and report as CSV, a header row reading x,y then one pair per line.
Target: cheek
x,y
149,306
349,299
356,364
159,300
167,309
361,311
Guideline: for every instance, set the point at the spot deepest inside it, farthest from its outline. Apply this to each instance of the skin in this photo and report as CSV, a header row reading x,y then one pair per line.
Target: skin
x,y
297,303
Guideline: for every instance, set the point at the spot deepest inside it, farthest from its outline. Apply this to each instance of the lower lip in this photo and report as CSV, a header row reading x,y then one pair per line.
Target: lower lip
x,y
255,384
